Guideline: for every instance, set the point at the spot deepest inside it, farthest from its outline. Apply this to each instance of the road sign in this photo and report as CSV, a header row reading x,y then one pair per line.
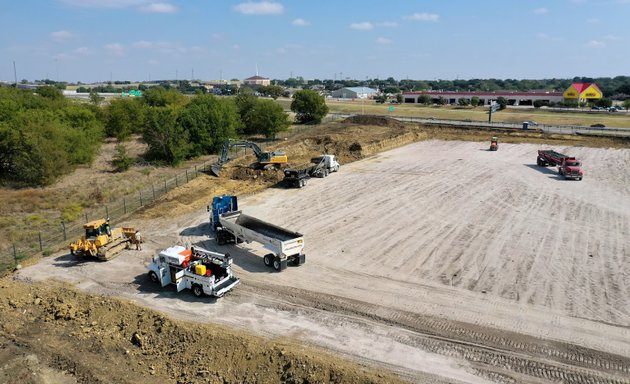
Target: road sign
x,y
391,108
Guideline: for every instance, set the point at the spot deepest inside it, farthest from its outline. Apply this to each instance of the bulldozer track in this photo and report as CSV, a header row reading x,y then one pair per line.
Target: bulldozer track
x,y
492,352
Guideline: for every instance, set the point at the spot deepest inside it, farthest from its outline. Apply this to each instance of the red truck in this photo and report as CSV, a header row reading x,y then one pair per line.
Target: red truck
x,y
568,166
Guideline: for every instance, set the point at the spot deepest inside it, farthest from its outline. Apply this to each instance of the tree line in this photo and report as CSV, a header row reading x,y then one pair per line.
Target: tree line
x,y
43,135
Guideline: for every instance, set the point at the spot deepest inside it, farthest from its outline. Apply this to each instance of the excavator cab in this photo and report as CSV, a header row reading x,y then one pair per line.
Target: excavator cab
x,y
264,159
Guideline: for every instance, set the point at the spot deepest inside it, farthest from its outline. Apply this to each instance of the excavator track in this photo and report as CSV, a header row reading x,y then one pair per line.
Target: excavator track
x,y
112,250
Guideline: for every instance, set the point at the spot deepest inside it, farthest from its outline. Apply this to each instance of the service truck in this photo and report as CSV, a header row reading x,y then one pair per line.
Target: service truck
x,y
568,166
233,226
320,166
197,269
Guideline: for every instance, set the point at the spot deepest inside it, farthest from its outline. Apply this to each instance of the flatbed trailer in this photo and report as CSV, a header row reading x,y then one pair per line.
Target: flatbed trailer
x,y
232,226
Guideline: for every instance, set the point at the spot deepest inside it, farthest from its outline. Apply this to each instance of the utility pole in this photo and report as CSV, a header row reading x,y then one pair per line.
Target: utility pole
x,y
14,73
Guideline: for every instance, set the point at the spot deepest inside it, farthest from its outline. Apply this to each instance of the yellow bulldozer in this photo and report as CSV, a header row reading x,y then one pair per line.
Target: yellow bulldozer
x,y
101,241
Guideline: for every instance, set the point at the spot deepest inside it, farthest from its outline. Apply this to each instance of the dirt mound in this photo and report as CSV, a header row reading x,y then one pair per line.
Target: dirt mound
x,y
380,121
67,336
266,176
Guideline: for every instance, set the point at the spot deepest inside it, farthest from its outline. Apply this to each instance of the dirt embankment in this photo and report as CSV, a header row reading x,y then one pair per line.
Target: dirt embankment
x,y
55,334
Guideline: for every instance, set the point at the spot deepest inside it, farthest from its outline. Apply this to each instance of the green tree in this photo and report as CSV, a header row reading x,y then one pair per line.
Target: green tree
x,y
399,98
380,99
161,97
245,102
124,117
474,101
425,99
121,160
49,92
273,91
309,106
604,102
167,140
268,118
209,120
95,98
502,101
462,101
626,104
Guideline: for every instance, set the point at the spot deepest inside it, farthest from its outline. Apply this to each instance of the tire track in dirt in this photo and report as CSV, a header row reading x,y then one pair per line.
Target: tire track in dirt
x,y
489,350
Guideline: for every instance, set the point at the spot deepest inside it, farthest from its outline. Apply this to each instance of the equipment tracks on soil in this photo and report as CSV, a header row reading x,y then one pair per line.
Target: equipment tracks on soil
x,y
501,355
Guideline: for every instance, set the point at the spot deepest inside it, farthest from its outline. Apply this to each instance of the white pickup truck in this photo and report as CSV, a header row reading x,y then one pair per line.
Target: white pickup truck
x,y
197,269
231,225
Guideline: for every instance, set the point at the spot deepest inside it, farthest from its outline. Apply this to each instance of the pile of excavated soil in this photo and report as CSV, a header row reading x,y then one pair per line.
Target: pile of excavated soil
x,y
380,121
55,334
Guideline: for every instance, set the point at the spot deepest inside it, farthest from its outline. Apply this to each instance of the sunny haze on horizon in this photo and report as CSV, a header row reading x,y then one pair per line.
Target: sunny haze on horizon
x,y
141,40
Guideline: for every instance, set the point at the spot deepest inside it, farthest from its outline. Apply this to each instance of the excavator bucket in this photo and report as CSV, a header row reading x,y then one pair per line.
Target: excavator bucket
x,y
216,169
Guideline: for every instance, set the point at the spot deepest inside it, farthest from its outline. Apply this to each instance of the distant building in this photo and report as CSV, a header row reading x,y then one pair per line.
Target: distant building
x,y
583,92
486,98
355,93
257,80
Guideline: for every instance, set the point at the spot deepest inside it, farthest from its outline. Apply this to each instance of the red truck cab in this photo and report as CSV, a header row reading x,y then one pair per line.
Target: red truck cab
x,y
568,166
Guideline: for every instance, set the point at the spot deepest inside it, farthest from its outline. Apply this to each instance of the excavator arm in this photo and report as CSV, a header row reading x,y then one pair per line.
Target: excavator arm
x,y
227,145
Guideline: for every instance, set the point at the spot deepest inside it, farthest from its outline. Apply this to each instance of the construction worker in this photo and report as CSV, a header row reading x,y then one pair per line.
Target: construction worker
x,y
138,240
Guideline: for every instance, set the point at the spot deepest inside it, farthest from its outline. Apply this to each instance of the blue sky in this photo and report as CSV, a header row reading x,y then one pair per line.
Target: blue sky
x,y
140,40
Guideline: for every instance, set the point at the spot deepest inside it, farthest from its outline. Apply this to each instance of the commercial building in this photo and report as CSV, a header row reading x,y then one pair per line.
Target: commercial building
x,y
355,93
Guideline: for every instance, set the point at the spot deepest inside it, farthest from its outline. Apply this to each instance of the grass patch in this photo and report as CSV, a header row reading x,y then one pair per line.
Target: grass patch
x,y
71,212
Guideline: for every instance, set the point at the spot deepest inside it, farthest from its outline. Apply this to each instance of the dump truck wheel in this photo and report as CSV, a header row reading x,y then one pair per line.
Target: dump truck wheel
x,y
153,277
276,264
197,290
268,259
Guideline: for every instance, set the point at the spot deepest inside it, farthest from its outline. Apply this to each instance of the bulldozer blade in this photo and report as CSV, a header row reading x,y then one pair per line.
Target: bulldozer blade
x,y
216,169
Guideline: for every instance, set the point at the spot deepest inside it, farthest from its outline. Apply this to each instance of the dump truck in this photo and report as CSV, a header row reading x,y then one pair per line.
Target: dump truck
x,y
102,241
265,160
568,166
494,143
230,225
320,166
203,272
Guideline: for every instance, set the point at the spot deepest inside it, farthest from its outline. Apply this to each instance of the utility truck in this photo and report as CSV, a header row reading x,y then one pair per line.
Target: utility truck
x,y
197,269
232,226
320,166
568,166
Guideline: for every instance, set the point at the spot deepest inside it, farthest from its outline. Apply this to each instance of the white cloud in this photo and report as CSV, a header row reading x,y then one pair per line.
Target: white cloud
x,y
592,21
424,16
364,26
595,44
383,41
301,23
612,37
542,36
153,62
236,47
158,8
143,44
61,35
217,36
260,8
541,11
105,3
388,24
82,51
115,49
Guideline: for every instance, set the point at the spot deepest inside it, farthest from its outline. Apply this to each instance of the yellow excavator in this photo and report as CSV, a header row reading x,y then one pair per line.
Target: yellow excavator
x,y
265,160
101,241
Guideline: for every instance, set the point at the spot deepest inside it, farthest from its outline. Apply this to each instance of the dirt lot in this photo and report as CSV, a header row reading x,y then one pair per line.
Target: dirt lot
x,y
438,260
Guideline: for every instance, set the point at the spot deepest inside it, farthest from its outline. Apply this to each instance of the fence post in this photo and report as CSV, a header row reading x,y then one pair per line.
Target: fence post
x,y
14,254
164,185
186,175
153,189
106,212
140,193
39,235
63,225
176,183
86,217
124,205
196,171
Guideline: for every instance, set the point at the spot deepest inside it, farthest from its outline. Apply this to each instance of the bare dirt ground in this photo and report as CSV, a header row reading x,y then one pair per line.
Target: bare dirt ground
x,y
438,260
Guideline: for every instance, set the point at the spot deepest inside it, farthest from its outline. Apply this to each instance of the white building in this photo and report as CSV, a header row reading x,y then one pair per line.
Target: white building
x,y
355,93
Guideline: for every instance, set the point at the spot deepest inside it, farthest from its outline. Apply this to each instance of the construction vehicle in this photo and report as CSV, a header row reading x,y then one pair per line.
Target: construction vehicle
x,y
320,166
494,143
232,226
568,166
265,160
197,269
101,241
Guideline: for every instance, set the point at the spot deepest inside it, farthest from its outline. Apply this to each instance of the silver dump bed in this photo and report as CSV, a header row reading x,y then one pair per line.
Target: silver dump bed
x,y
279,240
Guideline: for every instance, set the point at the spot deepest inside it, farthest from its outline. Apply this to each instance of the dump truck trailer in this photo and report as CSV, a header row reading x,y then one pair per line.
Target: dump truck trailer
x,y
233,226
568,166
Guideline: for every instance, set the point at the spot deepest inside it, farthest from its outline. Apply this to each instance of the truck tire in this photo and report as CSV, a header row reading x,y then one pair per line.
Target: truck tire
x,y
301,184
539,161
336,168
277,264
220,238
197,290
268,259
153,277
